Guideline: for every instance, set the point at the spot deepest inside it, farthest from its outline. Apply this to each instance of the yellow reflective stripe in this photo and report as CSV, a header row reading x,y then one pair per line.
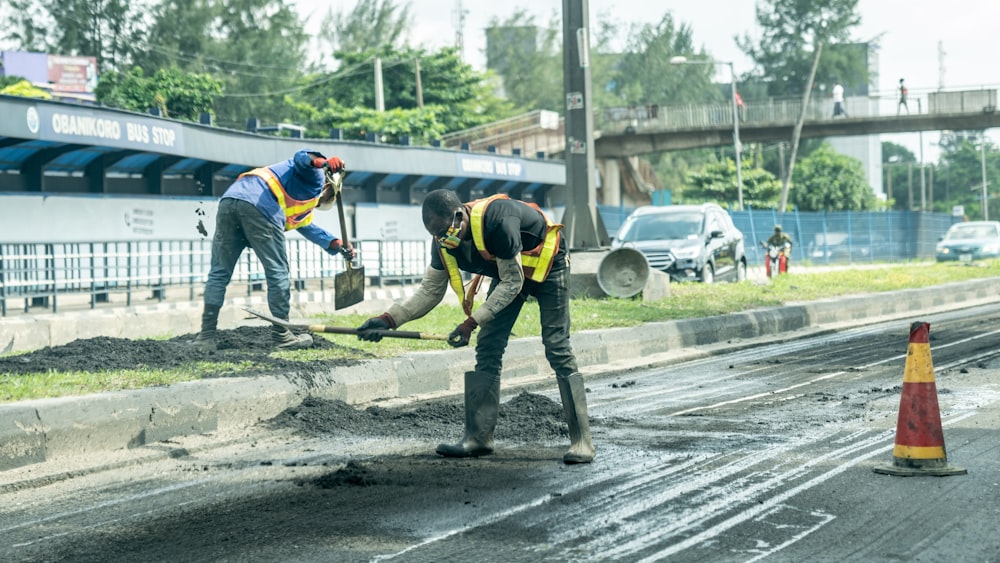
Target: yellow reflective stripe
x,y
536,262
918,452
476,220
919,366
454,277
292,208
541,263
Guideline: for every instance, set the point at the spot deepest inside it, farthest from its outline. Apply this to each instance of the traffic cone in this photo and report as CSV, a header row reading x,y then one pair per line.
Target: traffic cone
x,y
919,448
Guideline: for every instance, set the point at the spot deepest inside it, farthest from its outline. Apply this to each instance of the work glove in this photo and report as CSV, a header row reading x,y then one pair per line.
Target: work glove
x,y
368,330
345,250
462,333
334,164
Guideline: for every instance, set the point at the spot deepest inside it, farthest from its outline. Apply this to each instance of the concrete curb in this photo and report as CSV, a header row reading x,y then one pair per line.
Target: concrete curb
x,y
47,429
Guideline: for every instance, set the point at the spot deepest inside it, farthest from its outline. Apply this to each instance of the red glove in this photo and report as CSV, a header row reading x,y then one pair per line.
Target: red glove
x,y
462,333
333,163
346,250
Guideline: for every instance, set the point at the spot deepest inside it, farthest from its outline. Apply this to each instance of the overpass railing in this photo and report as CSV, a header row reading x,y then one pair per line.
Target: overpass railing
x,y
786,111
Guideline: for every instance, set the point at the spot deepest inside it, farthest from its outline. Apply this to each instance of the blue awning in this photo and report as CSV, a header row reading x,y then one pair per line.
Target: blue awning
x,y
458,182
392,180
77,161
508,187
12,157
425,182
356,178
231,171
532,188
185,166
133,164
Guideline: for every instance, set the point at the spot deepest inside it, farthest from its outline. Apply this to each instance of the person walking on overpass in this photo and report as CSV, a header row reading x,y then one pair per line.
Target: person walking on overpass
x,y
838,100
902,98
255,212
524,253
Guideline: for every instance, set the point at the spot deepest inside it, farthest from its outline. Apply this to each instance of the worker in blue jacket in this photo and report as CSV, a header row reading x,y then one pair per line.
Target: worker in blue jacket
x,y
255,212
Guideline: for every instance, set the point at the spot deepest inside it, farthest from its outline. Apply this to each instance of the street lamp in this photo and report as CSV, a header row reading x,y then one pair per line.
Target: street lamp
x,y
682,60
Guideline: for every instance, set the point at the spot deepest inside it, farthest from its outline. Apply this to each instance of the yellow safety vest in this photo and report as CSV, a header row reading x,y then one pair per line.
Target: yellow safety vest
x,y
298,213
536,262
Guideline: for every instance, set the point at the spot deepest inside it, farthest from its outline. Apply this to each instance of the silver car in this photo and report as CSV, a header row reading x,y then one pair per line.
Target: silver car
x,y
971,240
688,242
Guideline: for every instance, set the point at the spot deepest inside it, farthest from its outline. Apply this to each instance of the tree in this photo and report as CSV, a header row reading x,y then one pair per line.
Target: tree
x,y
961,170
792,30
27,25
645,74
260,52
898,165
528,59
829,181
716,182
179,94
180,36
110,30
371,25
446,81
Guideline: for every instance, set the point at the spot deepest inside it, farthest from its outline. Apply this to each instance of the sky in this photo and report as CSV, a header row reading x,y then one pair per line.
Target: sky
x,y
959,53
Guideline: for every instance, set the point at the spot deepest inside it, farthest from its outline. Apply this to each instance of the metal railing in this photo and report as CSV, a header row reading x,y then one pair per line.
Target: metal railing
x,y
44,275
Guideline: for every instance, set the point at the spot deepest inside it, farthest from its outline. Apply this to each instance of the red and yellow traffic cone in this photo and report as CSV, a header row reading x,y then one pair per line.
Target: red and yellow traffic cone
x,y
919,448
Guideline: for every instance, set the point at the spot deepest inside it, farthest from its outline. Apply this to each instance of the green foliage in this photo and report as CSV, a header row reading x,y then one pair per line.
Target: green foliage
x,y
110,30
791,30
829,181
371,25
961,173
179,94
27,26
446,82
179,36
645,75
422,125
24,89
528,59
258,50
716,183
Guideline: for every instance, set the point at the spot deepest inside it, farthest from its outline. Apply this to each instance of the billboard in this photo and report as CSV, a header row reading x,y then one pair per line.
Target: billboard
x,y
72,74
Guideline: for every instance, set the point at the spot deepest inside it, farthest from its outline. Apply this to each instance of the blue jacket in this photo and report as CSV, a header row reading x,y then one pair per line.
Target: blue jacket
x,y
300,179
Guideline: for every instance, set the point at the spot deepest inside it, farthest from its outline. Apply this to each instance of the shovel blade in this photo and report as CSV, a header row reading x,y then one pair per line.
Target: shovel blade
x,y
349,287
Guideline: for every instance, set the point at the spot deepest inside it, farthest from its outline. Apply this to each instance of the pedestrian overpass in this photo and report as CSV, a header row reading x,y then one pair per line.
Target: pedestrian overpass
x,y
624,132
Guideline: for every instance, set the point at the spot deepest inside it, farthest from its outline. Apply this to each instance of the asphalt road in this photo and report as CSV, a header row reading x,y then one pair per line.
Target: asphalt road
x,y
765,452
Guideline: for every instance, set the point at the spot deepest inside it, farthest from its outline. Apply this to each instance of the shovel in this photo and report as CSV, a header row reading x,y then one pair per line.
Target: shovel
x,y
349,285
344,330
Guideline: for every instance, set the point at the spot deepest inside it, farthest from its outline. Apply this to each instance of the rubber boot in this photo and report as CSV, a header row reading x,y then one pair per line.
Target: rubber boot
x,y
288,340
482,405
205,341
574,400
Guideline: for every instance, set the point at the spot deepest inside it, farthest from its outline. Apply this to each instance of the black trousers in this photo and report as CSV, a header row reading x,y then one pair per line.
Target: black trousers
x,y
552,296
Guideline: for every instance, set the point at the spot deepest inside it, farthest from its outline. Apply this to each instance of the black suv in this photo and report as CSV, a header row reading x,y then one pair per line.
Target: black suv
x,y
689,242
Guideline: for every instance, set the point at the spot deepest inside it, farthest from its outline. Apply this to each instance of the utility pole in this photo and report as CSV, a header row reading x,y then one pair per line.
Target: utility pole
x,y
797,133
584,229
458,20
982,160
